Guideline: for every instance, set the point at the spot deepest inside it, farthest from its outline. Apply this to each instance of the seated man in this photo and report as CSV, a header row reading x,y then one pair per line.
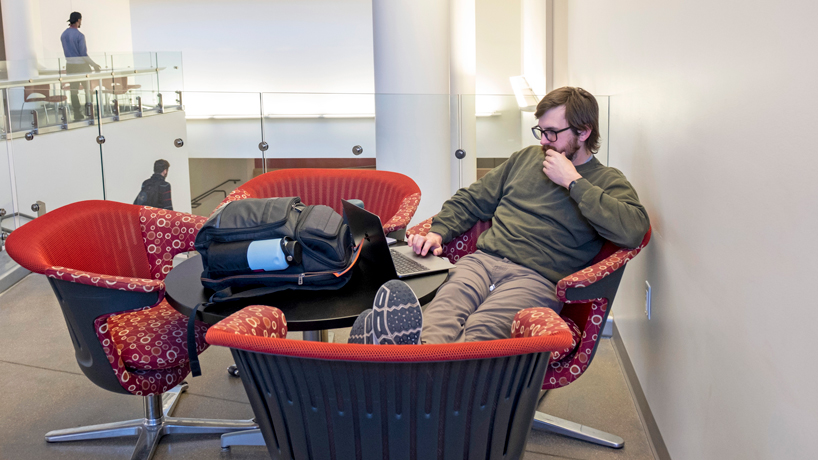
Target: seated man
x,y
551,208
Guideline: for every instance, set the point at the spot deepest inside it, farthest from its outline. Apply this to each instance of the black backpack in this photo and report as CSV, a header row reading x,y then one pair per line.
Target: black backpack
x,y
324,261
148,195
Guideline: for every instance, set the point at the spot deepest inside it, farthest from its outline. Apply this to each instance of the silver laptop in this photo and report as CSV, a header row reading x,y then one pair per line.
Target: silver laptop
x,y
401,259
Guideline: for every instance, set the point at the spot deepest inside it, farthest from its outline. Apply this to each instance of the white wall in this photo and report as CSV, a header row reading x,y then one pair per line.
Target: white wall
x,y
129,154
262,45
65,167
712,115
106,25
287,138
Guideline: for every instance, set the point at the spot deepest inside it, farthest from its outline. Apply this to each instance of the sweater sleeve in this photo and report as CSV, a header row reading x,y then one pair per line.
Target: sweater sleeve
x,y
472,204
83,50
613,210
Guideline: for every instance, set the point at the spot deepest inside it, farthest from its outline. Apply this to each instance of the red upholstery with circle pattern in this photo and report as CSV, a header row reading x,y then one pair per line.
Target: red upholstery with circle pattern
x,y
154,338
461,245
167,233
124,247
555,336
392,196
258,320
140,382
586,314
534,321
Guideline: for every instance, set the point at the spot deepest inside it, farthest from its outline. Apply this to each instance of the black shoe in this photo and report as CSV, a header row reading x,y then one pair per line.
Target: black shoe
x,y
79,117
397,318
361,331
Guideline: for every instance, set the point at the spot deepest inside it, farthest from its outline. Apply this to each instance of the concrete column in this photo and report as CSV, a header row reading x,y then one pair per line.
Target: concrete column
x,y
21,33
412,124
535,43
535,55
462,69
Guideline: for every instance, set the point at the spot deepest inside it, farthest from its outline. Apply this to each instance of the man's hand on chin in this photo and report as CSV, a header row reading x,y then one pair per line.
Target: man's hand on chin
x,y
559,169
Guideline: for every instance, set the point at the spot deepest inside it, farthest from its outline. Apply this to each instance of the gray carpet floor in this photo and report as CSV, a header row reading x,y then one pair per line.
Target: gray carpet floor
x,y
43,389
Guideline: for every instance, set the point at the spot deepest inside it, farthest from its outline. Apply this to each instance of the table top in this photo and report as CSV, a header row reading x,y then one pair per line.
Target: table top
x,y
305,310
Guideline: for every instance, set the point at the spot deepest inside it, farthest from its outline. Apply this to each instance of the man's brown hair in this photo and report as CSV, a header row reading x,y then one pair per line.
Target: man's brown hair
x,y
581,111
160,165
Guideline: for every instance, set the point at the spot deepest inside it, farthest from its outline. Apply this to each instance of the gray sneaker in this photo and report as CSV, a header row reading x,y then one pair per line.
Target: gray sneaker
x,y
361,331
397,318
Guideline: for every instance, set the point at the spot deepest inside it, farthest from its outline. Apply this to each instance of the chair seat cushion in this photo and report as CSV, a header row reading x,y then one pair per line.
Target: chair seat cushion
x,y
532,322
258,320
154,338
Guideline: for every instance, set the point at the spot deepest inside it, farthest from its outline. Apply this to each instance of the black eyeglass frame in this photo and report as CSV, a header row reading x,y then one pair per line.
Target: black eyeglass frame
x,y
539,132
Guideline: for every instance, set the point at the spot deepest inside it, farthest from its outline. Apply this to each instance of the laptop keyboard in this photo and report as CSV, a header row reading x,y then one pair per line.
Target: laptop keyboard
x,y
405,265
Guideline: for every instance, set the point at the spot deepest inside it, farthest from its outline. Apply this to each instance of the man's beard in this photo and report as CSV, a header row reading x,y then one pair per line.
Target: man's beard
x,y
570,151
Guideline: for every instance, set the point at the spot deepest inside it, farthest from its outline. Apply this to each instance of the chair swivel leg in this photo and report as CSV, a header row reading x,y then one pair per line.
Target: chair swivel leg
x,y
243,438
170,398
574,430
155,425
104,430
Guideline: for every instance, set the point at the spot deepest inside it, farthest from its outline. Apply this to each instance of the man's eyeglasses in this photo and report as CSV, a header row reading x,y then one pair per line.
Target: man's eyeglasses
x,y
549,134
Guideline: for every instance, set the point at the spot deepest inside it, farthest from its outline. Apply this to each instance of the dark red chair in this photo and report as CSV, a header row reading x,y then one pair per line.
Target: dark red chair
x,y
362,402
106,262
394,197
588,295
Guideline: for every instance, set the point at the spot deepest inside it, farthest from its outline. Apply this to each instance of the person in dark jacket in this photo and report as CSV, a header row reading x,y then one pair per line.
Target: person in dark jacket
x,y
156,190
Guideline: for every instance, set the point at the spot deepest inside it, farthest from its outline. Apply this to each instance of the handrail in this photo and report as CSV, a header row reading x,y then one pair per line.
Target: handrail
x,y
9,216
196,202
67,78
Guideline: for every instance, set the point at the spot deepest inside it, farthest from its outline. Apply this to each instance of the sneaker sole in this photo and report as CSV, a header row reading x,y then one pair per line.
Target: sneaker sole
x,y
361,331
397,318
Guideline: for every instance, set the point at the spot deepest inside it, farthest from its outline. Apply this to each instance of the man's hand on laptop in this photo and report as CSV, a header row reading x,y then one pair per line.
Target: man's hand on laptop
x,y
423,244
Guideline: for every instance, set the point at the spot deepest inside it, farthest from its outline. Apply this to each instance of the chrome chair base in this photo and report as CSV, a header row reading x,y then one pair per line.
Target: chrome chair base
x,y
574,430
243,438
157,423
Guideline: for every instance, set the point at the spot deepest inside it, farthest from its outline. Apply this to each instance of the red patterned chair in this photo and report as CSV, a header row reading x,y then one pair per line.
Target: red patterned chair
x,y
354,401
106,262
588,295
392,196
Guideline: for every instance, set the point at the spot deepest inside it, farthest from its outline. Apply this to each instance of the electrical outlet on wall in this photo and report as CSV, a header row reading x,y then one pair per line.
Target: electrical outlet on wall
x,y
647,299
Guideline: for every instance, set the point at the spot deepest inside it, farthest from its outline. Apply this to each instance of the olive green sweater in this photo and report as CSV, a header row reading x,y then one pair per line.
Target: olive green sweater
x,y
537,224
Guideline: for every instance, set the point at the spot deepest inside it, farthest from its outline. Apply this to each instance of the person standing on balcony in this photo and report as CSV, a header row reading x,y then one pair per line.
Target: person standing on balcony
x,y
76,59
156,190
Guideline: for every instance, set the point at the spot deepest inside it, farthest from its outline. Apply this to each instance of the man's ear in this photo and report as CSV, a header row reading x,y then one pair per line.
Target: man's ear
x,y
584,133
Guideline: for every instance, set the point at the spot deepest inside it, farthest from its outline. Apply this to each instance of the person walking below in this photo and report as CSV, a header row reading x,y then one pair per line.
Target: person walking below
x,y
76,59
155,190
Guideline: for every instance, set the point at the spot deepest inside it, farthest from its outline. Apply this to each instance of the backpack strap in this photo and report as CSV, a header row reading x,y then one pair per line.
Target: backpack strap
x,y
193,355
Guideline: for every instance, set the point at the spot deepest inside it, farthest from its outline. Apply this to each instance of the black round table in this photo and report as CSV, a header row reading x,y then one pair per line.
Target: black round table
x,y
305,310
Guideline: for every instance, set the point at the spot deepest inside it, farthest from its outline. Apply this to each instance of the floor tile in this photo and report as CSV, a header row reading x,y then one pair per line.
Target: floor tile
x,y
33,328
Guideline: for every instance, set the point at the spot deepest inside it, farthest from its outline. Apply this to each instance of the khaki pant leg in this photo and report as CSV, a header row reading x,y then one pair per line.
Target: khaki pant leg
x,y
444,318
515,288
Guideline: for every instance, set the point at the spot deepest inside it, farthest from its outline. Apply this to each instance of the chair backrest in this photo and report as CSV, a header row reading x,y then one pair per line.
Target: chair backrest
x,y
345,401
42,90
381,191
102,237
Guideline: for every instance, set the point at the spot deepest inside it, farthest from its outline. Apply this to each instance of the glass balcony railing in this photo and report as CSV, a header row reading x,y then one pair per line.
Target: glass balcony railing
x,y
215,141
51,95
